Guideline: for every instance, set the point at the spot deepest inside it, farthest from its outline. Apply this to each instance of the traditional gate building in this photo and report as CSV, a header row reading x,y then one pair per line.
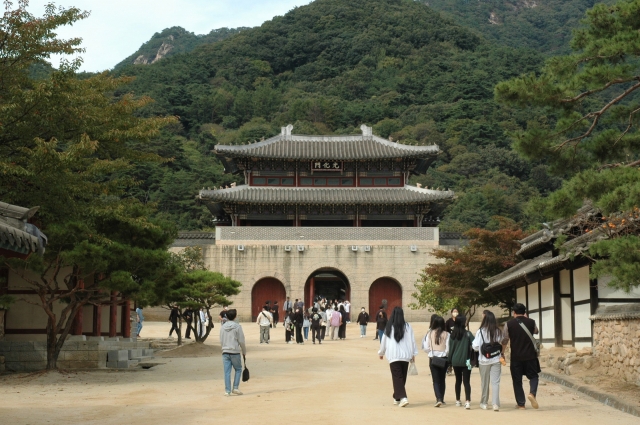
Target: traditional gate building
x,y
326,216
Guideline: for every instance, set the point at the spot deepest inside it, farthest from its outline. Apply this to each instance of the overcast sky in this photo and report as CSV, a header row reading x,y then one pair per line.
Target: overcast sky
x,y
117,28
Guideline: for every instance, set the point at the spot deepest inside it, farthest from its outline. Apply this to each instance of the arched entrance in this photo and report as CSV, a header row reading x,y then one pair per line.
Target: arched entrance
x,y
328,283
382,289
267,289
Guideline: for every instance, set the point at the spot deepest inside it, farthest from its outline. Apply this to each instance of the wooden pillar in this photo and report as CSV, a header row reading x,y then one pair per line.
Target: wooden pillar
x,y
76,328
97,320
126,319
312,291
113,314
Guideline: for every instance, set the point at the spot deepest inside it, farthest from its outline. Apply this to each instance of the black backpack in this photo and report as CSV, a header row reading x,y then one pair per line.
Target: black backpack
x,y
490,350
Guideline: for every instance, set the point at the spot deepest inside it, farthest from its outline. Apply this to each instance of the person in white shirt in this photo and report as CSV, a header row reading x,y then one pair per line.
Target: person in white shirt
x,y
265,320
436,343
347,309
203,322
399,345
488,342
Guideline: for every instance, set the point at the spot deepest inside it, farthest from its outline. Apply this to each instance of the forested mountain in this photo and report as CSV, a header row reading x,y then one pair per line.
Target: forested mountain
x,y
328,67
544,25
172,41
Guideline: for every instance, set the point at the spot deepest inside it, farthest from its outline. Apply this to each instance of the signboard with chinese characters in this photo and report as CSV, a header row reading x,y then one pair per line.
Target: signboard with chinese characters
x,y
326,165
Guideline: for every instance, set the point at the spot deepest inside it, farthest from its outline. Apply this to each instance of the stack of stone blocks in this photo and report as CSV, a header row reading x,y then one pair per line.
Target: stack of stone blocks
x,y
78,352
571,360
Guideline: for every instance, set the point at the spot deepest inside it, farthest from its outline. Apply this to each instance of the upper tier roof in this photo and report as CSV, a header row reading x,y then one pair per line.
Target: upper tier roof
x,y
293,146
301,195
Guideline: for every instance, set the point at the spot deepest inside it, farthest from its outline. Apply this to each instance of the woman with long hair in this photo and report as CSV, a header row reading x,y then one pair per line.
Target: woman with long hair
x,y
342,330
399,345
488,342
298,321
460,359
288,326
436,344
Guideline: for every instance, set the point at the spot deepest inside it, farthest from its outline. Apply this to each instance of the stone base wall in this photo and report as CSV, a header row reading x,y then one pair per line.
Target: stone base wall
x,y
617,346
77,353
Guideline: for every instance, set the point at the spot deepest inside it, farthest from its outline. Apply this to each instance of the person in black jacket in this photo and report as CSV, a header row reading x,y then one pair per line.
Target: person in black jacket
x,y
381,323
524,356
173,318
298,320
188,317
363,320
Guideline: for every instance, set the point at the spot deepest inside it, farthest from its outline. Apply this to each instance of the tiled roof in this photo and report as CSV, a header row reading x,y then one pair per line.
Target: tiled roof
x,y
617,312
339,196
301,147
16,234
196,235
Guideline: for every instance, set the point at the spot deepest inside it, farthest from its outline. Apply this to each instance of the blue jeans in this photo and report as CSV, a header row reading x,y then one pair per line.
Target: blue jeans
x,y
380,333
229,360
139,328
363,330
306,333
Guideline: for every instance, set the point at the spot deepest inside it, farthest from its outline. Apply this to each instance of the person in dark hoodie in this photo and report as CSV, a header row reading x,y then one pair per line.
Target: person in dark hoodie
x,y
232,343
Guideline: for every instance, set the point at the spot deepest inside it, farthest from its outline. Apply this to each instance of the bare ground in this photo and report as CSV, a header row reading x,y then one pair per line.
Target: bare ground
x,y
339,380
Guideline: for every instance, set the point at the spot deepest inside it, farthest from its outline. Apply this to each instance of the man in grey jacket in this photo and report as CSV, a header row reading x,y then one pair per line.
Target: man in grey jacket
x,y
232,343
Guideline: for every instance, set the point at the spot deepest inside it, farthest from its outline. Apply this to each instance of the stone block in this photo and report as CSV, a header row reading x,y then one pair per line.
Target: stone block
x,y
75,355
136,352
113,339
117,356
147,352
77,338
95,338
123,364
21,346
93,356
127,340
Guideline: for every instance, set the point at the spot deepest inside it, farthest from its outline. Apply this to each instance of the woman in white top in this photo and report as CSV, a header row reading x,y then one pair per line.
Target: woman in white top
x,y
399,345
436,343
489,360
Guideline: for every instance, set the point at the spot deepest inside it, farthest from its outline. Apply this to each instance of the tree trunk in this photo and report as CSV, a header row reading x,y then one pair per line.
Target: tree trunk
x,y
180,328
52,345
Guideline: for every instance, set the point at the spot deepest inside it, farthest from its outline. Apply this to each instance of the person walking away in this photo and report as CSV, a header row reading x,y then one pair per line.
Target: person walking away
x,y
188,317
524,355
139,320
298,319
399,345
275,312
173,319
323,323
342,330
381,323
436,343
265,320
233,344
306,323
460,358
316,321
363,321
288,327
488,342
347,309
336,321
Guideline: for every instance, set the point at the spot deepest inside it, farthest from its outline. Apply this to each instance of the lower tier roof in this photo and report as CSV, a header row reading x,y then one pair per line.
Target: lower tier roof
x,y
406,195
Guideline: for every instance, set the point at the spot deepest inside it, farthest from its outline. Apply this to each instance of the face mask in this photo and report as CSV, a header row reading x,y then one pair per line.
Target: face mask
x,y
454,314
363,310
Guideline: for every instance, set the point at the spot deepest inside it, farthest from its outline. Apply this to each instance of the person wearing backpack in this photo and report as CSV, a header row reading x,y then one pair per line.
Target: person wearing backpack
x,y
488,342
436,343
316,325
519,332
460,359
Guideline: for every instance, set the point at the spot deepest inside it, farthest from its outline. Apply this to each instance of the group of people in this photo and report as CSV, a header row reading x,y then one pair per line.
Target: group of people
x,y
331,314
450,345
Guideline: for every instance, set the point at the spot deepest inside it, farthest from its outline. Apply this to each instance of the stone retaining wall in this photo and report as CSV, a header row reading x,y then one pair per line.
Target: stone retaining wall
x,y
77,353
617,346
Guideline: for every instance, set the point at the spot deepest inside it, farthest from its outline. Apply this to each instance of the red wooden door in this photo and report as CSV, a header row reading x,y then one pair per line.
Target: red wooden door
x,y
267,289
384,289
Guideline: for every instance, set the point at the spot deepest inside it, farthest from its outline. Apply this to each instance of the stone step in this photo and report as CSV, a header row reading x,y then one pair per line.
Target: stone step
x,y
142,358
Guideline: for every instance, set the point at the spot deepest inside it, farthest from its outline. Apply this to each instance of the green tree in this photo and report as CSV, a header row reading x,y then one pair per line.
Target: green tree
x,y
588,112
65,145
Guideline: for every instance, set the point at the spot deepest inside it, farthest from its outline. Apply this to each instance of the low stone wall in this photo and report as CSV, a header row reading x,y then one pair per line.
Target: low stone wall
x,y
616,334
77,353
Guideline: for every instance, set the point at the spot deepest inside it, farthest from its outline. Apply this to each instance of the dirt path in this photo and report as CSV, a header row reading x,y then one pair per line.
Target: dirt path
x,y
339,380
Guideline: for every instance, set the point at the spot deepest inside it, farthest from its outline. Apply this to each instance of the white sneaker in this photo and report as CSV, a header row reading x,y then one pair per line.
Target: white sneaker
x,y
496,408
403,402
237,392
458,403
467,405
483,406
227,394
438,404
395,402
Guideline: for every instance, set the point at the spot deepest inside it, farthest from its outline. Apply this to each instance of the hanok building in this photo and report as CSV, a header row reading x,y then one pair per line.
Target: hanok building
x,y
554,282
330,216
